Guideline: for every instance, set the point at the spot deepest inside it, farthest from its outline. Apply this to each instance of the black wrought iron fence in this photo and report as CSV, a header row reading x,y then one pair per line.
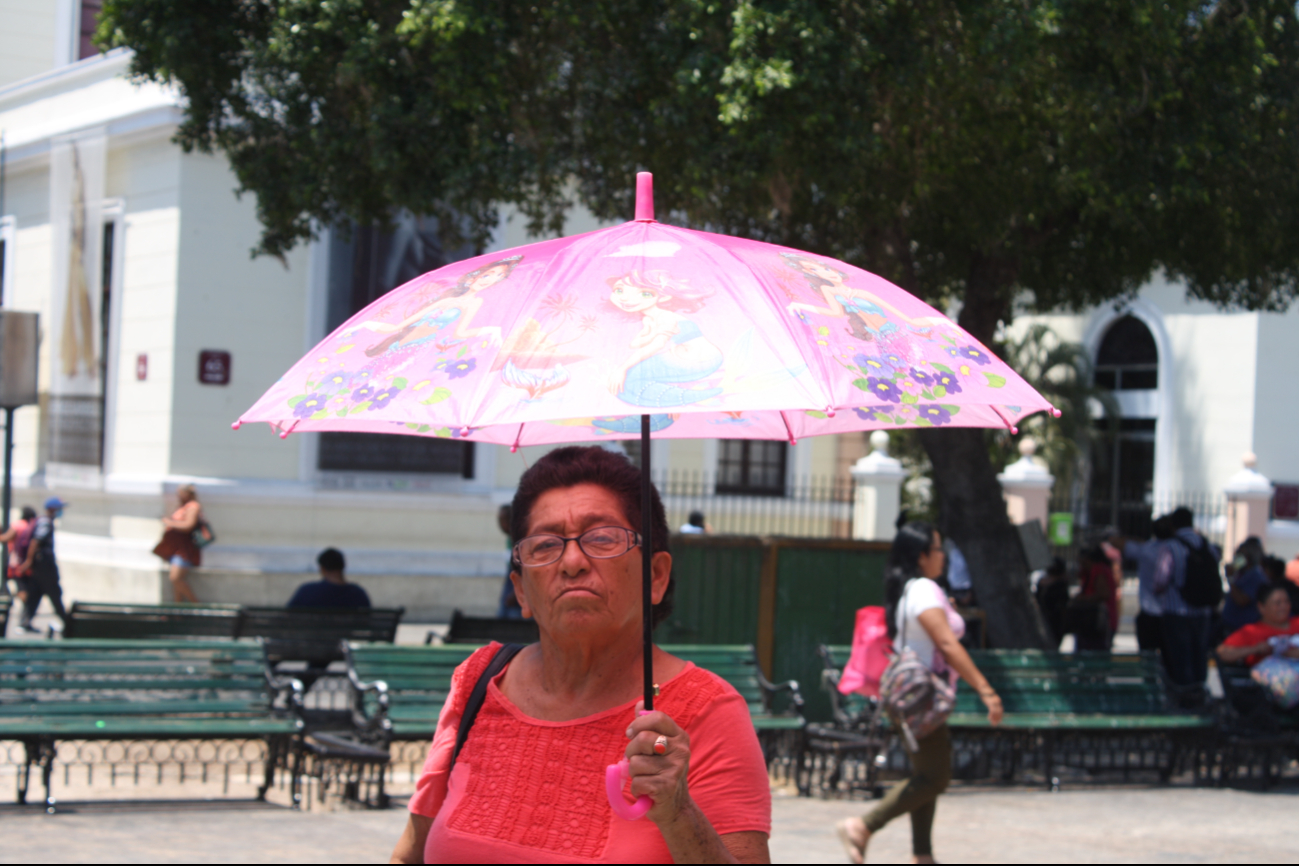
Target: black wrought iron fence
x,y
1094,522
810,507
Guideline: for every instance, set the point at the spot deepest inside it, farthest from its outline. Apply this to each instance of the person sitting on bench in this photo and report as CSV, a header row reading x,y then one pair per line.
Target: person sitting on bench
x,y
332,590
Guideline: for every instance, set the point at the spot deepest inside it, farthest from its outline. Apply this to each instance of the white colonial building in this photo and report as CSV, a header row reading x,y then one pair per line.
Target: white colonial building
x,y
159,329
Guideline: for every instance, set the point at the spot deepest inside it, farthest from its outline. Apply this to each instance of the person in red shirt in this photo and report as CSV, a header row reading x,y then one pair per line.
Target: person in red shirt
x,y
1252,643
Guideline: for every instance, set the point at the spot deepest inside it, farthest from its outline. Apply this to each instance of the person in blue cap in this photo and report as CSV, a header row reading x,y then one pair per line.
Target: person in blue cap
x,y
42,568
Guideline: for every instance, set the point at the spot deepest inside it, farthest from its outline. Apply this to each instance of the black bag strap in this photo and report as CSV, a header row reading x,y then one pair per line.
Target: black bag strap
x,y
479,694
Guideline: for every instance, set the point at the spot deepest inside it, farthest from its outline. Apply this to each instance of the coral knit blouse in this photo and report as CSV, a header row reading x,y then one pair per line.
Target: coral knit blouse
x,y
531,791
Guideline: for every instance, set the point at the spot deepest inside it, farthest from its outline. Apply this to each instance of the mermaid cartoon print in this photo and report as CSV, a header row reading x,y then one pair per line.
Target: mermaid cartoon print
x,y
456,306
866,314
670,352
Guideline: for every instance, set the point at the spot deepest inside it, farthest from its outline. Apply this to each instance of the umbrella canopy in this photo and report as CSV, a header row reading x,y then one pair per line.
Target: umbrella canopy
x,y
644,329
712,336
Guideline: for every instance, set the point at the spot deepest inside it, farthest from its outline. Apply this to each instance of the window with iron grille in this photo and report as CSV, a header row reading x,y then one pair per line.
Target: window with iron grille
x,y
365,263
751,466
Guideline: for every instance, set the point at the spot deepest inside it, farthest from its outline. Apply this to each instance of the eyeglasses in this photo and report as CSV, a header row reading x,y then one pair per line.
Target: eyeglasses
x,y
602,542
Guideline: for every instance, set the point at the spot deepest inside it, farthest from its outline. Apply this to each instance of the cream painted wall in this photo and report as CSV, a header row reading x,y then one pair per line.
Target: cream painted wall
x,y
1276,408
1214,362
26,38
146,176
227,300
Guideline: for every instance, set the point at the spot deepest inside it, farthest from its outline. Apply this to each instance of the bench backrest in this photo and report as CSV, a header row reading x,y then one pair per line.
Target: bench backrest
x,y
1030,681
151,621
307,623
482,630
735,663
132,678
850,708
6,602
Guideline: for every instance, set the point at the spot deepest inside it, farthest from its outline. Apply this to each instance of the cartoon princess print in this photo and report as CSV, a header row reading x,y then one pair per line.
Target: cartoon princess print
x,y
670,352
456,306
866,313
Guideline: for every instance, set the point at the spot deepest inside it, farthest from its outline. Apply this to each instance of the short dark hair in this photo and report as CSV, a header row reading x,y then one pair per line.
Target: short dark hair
x,y
1266,590
29,513
1181,518
696,518
331,559
591,464
1162,528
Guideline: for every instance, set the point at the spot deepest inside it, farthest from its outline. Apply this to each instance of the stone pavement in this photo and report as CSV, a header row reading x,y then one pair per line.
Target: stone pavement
x,y
1128,824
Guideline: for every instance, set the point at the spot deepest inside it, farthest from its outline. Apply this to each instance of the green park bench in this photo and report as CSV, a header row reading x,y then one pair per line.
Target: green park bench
x,y
1090,711
406,685
1259,738
74,690
6,604
315,635
485,629
100,620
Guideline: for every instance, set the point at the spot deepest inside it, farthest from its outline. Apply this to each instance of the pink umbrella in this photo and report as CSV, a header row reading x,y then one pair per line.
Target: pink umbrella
x,y
645,328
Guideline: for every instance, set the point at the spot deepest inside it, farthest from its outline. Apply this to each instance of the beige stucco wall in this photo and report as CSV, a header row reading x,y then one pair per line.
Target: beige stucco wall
x,y
255,308
26,38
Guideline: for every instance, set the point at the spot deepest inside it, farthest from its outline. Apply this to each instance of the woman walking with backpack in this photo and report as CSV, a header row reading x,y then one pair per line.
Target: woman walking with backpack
x,y
924,629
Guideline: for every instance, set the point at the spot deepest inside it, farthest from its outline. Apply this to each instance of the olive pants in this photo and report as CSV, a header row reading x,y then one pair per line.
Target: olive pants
x,y
931,772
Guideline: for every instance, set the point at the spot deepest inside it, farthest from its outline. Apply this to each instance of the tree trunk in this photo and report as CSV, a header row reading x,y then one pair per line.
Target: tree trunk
x,y
973,515
972,510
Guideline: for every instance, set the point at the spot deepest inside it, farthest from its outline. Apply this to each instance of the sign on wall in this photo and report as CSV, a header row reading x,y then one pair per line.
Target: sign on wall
x,y
214,367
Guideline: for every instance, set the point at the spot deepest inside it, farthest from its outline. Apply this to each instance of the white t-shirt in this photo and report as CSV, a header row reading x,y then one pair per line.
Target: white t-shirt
x,y
920,595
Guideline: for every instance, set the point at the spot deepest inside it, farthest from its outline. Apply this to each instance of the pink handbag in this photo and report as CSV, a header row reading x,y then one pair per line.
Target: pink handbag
x,y
870,654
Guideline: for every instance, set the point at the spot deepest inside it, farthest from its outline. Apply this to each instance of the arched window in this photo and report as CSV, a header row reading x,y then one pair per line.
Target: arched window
x,y
1128,359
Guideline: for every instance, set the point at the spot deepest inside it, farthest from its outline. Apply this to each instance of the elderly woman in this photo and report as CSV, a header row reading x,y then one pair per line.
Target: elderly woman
x,y
528,784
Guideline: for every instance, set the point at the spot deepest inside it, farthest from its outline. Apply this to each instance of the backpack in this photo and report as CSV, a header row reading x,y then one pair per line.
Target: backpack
x,y
1203,585
870,654
915,698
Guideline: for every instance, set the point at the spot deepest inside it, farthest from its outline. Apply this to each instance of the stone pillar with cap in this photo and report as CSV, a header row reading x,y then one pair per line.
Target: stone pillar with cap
x,y
1026,485
877,498
1249,499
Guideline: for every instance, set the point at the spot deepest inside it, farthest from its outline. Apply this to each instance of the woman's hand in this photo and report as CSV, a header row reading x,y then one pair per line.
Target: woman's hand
x,y
661,777
992,701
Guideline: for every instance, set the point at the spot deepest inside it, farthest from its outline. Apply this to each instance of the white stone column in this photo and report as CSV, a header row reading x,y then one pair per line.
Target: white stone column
x,y
877,499
1027,486
1249,498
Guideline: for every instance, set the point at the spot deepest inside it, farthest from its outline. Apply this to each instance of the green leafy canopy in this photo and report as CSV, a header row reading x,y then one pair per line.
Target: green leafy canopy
x,y
967,150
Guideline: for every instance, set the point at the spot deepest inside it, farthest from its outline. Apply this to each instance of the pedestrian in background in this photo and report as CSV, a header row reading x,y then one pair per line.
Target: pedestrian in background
x,y
1093,614
920,618
43,568
695,524
17,537
1239,608
177,546
1146,554
1052,593
1186,627
332,590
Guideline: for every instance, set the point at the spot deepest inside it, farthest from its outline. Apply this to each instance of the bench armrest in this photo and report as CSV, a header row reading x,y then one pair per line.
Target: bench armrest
x,y
770,689
292,686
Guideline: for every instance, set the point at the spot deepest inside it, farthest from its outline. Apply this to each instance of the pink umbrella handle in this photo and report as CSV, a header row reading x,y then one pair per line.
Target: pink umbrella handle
x,y
614,776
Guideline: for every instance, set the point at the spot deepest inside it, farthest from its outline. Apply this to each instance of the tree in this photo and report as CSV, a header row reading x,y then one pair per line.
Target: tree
x,y
976,153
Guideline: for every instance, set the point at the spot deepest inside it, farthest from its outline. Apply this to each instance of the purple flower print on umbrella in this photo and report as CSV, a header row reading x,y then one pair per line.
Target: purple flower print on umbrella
x,y
339,381
884,389
948,381
878,366
365,392
383,398
934,414
310,405
894,359
978,356
461,368
874,413
921,377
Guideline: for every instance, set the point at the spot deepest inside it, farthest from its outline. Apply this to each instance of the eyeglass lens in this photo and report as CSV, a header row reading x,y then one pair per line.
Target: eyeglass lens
x,y
602,542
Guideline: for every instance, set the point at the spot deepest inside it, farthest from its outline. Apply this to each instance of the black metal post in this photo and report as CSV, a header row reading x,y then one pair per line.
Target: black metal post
x,y
647,559
6,501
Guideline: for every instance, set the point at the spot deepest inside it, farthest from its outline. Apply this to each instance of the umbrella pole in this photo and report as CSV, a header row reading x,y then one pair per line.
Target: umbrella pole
x,y
647,560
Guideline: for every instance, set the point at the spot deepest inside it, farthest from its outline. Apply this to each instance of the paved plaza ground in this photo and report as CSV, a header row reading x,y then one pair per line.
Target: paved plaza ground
x,y
974,825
